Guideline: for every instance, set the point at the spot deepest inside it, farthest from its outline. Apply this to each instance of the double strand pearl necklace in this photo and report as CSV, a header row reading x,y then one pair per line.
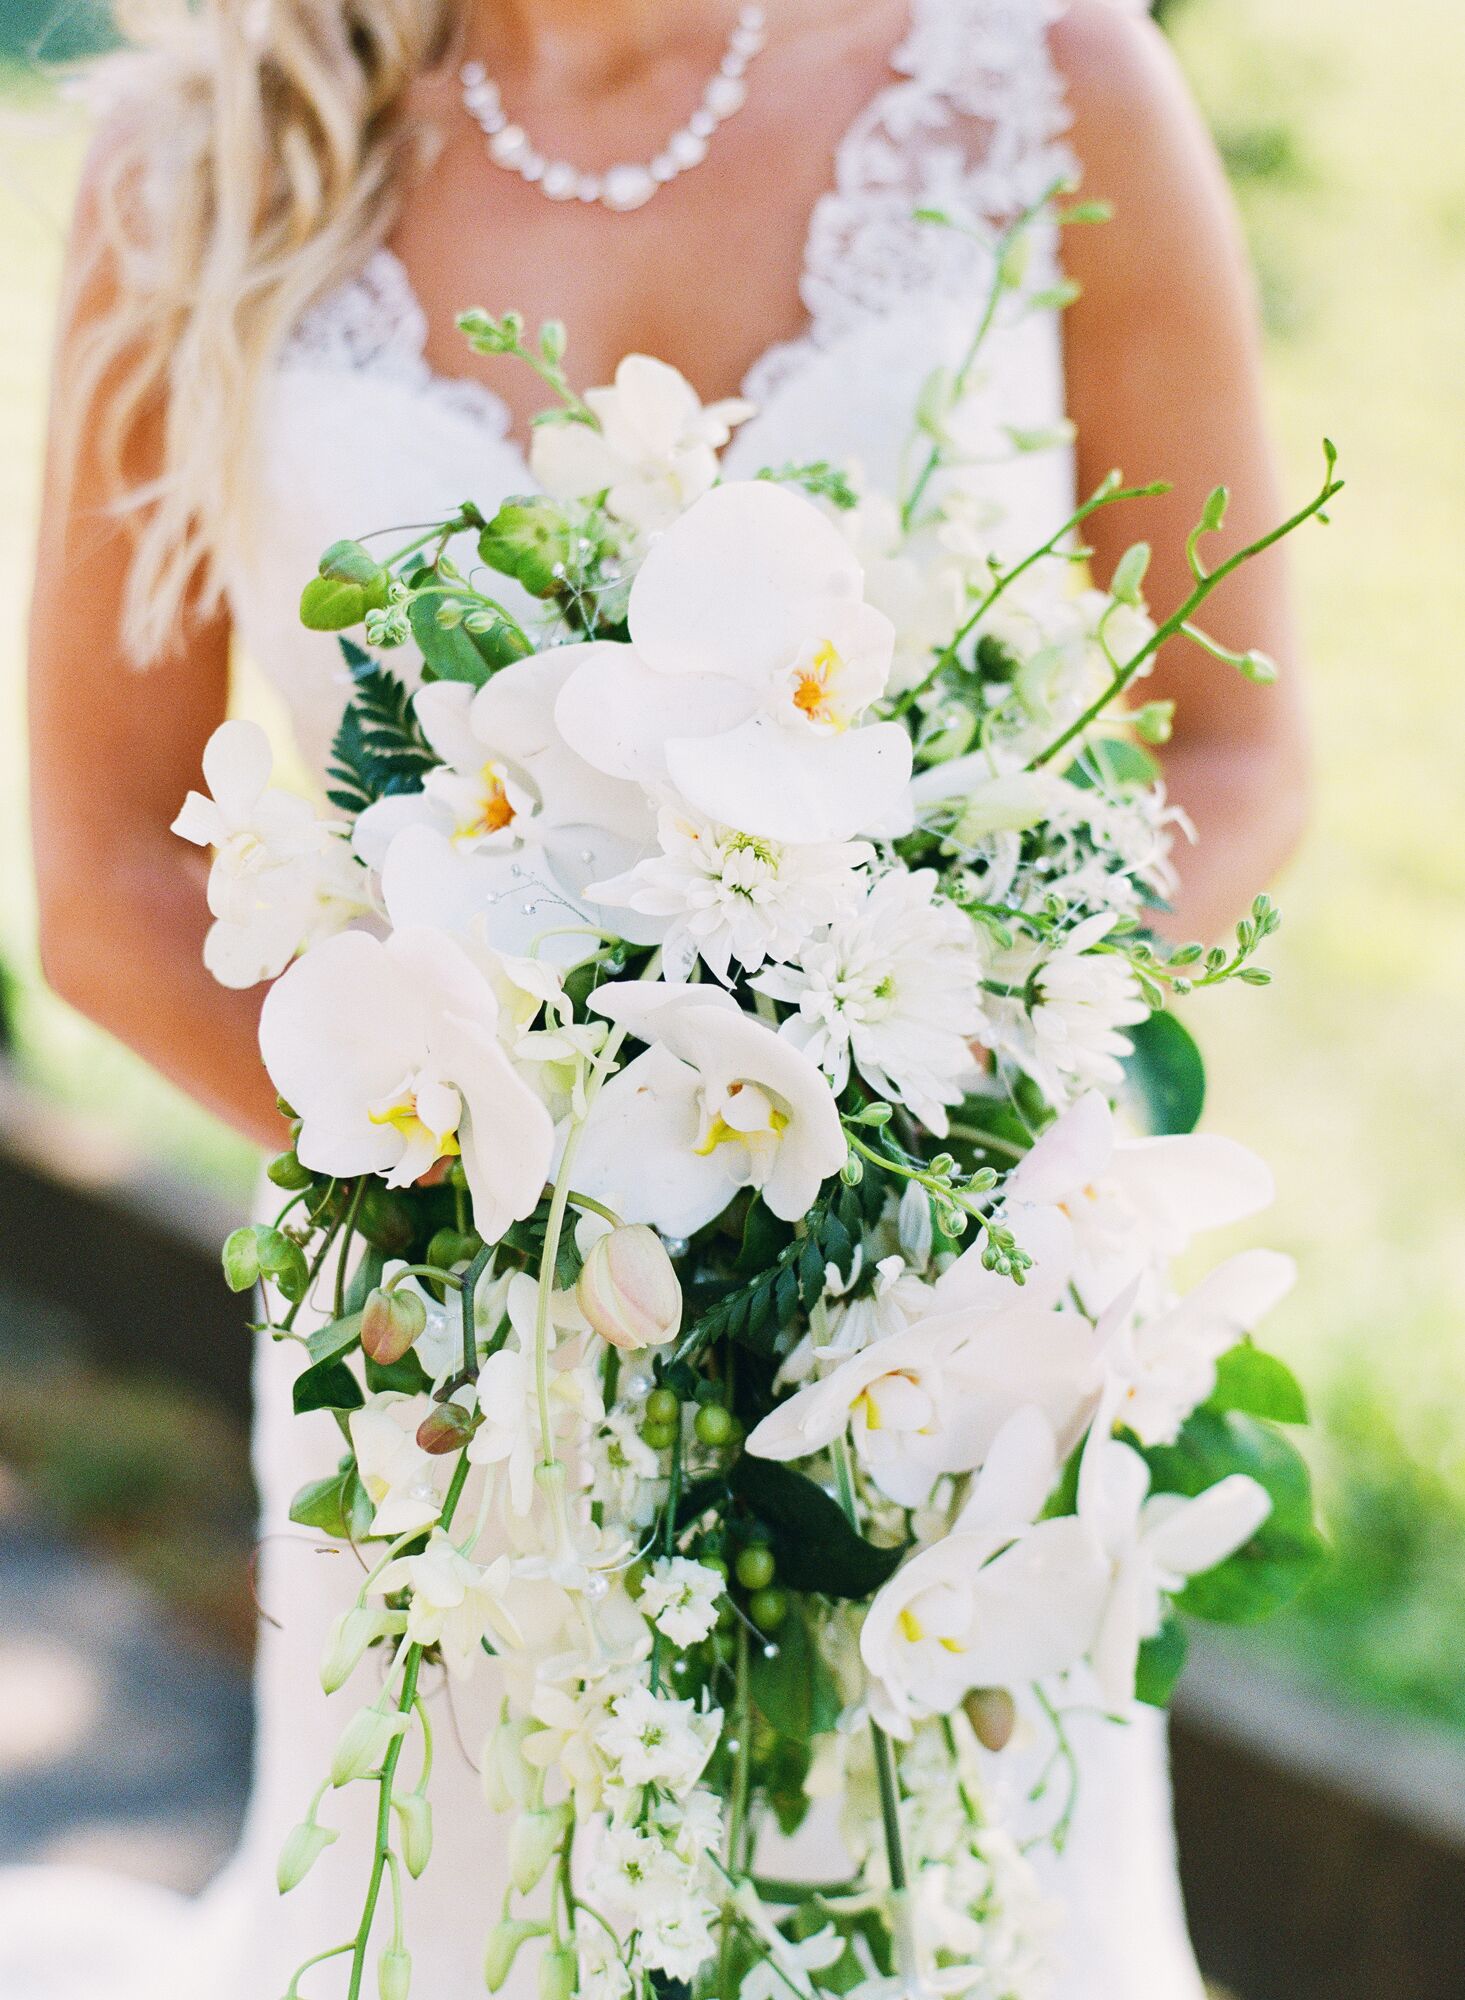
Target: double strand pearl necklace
x,y
628,185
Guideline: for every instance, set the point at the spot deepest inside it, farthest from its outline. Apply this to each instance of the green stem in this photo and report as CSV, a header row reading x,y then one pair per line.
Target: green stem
x,y
1205,584
885,1772
467,1296
349,1229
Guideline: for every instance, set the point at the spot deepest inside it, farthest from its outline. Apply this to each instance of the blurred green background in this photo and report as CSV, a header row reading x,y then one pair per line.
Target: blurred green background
x,y
1339,121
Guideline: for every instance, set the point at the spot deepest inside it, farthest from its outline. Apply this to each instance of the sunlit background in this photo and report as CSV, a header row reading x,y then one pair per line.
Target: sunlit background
x,y
1339,122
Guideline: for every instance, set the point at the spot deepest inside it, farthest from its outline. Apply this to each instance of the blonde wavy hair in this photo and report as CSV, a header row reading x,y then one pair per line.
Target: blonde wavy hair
x,y
253,150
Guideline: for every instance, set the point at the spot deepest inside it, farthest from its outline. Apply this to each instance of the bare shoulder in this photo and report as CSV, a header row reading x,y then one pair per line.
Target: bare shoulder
x,y
1141,145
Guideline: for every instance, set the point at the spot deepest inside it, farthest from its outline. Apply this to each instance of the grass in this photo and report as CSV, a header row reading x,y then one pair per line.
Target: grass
x,y
1340,125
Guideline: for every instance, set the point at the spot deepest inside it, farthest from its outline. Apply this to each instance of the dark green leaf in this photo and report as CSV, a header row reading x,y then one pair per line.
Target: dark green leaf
x,y
1251,1380
336,1506
1161,1662
327,1385
815,1547
407,1376
1167,1074
379,747
336,1337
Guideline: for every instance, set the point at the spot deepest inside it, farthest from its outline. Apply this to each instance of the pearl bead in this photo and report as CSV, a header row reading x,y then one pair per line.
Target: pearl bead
x,y
588,187
506,146
701,124
664,168
725,95
687,149
472,74
628,186
561,182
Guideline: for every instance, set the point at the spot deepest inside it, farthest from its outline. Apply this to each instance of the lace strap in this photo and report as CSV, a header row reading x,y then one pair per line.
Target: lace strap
x,y
974,126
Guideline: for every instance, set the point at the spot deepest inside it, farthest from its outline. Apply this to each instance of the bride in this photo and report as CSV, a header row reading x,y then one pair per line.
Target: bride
x,y
286,206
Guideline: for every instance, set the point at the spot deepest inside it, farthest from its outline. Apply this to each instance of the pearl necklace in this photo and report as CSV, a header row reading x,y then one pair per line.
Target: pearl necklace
x,y
628,185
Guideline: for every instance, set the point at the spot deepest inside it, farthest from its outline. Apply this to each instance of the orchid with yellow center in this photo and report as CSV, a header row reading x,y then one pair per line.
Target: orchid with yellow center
x,y
717,1102
389,1053
1003,1600
753,656
511,826
932,1398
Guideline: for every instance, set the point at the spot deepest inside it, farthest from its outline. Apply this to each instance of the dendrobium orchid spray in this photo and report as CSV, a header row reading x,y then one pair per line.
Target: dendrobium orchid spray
x,y
741,1133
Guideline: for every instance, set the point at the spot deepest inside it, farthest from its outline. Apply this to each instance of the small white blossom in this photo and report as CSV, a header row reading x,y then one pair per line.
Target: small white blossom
x,y
653,1740
1069,1036
680,1598
455,1603
730,896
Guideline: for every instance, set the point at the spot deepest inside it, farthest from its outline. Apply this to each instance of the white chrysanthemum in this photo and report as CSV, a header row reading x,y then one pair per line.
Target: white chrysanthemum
x,y
894,987
628,1479
1066,1029
732,896
680,1598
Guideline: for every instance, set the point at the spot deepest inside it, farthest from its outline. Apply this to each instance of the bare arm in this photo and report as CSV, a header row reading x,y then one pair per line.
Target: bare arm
x,y
113,749
1164,381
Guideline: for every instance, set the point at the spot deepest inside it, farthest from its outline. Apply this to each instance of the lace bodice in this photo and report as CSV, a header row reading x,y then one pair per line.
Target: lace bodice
x,y
360,432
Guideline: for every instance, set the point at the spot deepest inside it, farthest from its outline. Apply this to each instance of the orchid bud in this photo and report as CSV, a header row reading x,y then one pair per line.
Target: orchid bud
x,y
304,1845
628,1289
534,1842
992,1712
506,1777
446,1428
394,1973
390,1322
414,1815
557,1970
503,1945
351,1633
364,1742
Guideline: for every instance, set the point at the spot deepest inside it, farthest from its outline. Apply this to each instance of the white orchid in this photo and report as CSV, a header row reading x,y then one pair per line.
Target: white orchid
x,y
389,1054
1151,1545
512,825
454,1604
281,877
752,660
933,1398
717,1102
1165,1362
1129,1203
509,1431
404,1484
728,896
1003,1600
894,985
652,449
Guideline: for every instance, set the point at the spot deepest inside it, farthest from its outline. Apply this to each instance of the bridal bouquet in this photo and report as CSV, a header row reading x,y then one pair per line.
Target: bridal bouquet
x,y
740,1135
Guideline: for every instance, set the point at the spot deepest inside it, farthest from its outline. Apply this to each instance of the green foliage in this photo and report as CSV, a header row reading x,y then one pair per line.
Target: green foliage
x,y
1161,1663
531,540
815,1547
350,583
379,748
1286,1551
337,1506
1167,1074
1259,1385
326,1385
765,1312
818,478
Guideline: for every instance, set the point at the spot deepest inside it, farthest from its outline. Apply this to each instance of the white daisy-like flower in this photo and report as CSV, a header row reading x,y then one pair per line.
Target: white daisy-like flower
x,y
731,896
1066,1028
680,1598
894,987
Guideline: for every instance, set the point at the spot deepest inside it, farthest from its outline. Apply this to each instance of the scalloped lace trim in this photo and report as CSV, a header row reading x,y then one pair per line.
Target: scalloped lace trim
x,y
974,125
374,323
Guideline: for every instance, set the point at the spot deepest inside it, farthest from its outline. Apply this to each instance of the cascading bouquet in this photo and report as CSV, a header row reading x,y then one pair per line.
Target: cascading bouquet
x,y
746,1318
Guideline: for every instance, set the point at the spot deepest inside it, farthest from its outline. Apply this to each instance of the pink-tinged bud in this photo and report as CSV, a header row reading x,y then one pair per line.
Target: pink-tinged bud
x,y
446,1428
628,1289
992,1712
390,1322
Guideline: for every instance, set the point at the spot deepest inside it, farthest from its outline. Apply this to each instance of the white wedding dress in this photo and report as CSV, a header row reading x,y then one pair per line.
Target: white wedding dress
x,y
360,433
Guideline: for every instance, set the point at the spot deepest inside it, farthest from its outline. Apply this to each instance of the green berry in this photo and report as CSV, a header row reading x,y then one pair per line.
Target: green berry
x,y
755,1568
768,1609
714,1425
714,1563
660,1437
635,1577
663,1406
